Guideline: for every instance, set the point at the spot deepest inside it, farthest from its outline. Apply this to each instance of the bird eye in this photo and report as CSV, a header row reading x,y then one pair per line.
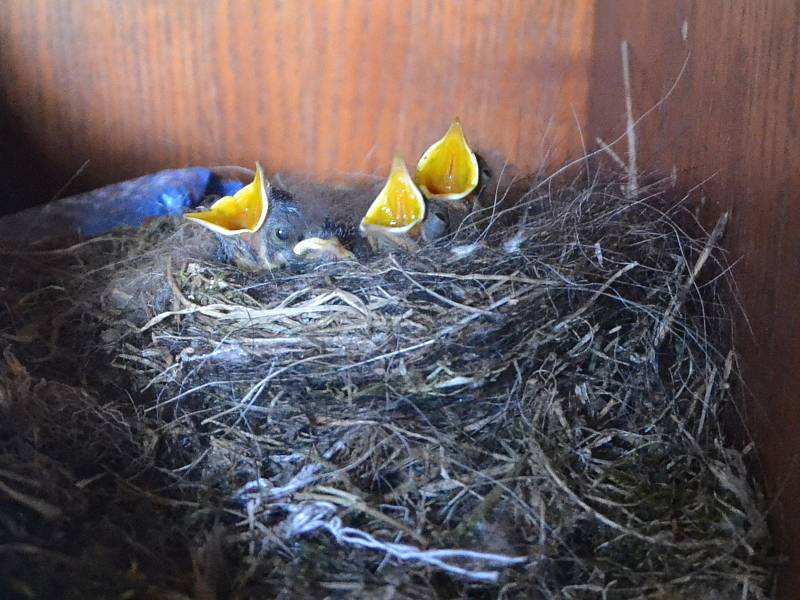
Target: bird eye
x,y
281,234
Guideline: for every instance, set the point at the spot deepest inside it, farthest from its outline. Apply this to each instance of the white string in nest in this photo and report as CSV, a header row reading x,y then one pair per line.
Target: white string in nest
x,y
311,516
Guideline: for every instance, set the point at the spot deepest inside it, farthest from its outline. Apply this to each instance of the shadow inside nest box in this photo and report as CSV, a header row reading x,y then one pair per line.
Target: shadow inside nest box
x,y
28,175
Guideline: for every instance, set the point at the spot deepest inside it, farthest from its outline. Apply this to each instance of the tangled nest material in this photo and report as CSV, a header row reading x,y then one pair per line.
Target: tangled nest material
x,y
528,409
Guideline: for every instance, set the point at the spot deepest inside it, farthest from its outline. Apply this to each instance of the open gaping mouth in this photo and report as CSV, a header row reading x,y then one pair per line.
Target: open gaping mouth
x,y
448,169
398,208
242,213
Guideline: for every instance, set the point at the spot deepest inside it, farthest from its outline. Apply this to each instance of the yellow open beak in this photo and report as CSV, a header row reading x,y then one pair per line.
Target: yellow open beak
x,y
449,168
399,206
322,247
244,212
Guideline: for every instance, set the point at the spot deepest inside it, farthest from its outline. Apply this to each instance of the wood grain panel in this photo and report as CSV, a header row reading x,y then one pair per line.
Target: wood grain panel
x,y
733,119
317,86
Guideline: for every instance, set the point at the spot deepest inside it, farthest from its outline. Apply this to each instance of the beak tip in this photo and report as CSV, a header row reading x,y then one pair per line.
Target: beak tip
x,y
320,247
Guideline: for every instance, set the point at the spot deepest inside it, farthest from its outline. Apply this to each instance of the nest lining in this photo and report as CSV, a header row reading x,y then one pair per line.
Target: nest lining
x,y
529,408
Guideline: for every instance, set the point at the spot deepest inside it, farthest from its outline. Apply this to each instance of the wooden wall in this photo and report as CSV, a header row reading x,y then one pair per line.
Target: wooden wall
x,y
319,86
326,86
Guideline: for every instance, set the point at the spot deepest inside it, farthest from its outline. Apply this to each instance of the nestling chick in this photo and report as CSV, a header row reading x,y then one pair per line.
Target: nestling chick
x,y
257,227
451,173
271,246
399,215
447,174
449,169
330,212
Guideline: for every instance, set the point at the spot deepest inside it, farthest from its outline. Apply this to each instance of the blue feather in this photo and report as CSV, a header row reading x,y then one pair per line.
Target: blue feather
x,y
126,204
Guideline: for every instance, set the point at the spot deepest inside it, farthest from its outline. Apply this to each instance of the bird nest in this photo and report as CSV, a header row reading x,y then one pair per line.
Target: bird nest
x,y
529,408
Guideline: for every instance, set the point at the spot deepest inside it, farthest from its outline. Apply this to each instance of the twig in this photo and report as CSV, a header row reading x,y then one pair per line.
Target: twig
x,y
633,172
561,325
438,296
679,298
47,510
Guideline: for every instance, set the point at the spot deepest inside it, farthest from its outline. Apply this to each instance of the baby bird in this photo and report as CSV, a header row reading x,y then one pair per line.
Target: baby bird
x,y
272,246
263,226
400,215
257,227
448,170
330,212
397,212
447,174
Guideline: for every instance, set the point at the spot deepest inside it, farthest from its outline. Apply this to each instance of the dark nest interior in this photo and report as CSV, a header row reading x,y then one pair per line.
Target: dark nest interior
x,y
532,407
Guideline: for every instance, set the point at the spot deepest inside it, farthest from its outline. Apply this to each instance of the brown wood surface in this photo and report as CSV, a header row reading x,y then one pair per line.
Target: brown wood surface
x,y
318,86
732,120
